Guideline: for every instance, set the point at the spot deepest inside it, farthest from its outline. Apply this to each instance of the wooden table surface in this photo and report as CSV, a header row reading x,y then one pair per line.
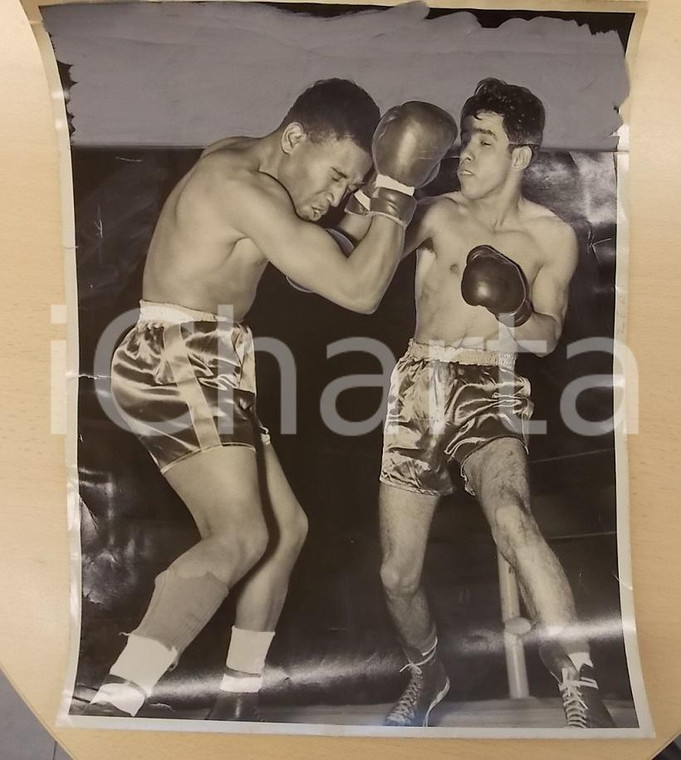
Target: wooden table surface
x,y
34,593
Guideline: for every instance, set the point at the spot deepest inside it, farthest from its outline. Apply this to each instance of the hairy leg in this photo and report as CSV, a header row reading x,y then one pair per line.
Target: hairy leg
x,y
405,519
498,476
405,524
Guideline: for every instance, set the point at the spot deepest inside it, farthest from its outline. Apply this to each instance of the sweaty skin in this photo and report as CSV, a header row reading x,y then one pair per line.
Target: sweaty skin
x,y
250,201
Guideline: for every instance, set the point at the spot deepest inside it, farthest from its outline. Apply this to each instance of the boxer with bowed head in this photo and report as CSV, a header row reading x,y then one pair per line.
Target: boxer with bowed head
x,y
493,271
246,203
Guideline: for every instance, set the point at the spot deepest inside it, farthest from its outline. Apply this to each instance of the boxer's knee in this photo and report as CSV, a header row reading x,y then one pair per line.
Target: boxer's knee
x,y
288,535
249,544
294,532
401,580
513,525
228,553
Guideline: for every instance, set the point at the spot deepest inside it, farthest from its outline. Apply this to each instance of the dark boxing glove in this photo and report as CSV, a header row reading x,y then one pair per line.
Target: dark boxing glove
x,y
494,281
344,243
408,145
359,203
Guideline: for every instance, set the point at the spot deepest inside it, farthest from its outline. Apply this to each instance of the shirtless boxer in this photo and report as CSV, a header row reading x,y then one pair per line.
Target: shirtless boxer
x,y
493,268
184,376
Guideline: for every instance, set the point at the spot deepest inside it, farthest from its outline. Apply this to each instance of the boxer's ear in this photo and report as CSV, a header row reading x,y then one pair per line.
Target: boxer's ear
x,y
522,156
292,135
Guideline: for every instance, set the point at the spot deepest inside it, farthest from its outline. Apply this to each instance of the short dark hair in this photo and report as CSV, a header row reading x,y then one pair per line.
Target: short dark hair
x,y
521,111
336,108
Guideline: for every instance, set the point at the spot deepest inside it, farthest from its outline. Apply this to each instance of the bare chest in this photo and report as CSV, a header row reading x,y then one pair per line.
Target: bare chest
x,y
443,260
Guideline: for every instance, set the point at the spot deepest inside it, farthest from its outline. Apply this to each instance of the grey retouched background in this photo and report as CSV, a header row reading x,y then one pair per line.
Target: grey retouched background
x,y
187,74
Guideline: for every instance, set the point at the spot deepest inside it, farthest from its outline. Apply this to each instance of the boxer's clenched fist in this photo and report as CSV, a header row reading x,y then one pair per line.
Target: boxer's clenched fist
x,y
408,145
494,281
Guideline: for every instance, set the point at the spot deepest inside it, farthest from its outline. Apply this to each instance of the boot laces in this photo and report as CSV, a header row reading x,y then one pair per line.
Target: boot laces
x,y
576,709
405,709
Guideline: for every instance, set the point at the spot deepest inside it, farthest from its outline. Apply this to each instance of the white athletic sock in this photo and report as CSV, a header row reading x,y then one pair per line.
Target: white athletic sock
x,y
124,696
422,652
241,684
143,661
428,654
247,653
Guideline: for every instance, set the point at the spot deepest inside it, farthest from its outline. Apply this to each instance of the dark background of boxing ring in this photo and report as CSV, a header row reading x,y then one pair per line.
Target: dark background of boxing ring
x,y
335,643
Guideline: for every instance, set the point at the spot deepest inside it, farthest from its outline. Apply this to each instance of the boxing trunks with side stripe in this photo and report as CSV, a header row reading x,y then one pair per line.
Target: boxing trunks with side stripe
x,y
185,382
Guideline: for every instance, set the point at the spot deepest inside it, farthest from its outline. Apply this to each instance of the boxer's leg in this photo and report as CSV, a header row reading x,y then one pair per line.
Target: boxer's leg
x,y
263,591
405,519
261,595
220,488
497,474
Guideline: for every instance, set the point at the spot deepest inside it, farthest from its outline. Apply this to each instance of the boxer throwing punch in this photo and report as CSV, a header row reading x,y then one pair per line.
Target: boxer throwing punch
x,y
247,202
493,270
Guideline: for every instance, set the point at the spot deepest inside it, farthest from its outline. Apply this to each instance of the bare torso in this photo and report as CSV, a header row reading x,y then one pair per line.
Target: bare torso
x,y
442,314
197,258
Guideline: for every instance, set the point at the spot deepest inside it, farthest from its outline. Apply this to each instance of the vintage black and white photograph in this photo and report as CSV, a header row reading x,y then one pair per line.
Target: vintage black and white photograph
x,y
348,305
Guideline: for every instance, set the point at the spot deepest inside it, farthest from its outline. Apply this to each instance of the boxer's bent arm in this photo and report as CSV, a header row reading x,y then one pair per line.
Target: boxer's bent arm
x,y
355,226
263,212
419,230
550,290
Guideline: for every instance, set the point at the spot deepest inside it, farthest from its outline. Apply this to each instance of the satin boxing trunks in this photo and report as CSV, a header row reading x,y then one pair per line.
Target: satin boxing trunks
x,y
444,404
185,382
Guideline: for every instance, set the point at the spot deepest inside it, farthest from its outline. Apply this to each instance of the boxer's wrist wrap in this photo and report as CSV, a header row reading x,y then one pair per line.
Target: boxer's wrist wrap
x,y
358,204
382,180
393,204
522,313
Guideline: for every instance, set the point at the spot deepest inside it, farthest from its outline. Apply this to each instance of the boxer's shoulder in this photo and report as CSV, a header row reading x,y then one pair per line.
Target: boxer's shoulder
x,y
230,146
534,214
553,236
454,199
447,211
228,162
443,207
546,223
229,178
434,217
